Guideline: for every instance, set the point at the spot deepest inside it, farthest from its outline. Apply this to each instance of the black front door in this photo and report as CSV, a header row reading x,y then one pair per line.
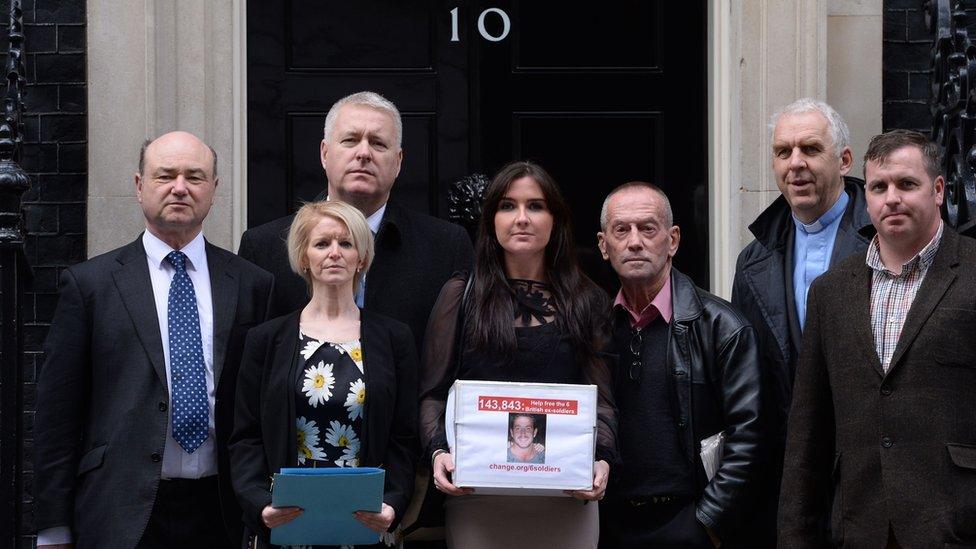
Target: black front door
x,y
597,94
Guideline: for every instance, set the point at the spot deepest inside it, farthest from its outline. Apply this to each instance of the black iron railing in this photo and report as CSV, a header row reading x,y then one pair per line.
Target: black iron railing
x,y
953,107
14,272
464,198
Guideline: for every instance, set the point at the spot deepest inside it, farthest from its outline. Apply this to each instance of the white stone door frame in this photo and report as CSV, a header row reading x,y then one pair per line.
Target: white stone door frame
x,y
156,66
764,54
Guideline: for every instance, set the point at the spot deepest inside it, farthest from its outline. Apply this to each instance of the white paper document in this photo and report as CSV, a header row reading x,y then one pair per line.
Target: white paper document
x,y
711,453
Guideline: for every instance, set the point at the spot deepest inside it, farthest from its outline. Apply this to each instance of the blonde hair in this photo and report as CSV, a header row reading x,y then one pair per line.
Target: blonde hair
x,y
308,216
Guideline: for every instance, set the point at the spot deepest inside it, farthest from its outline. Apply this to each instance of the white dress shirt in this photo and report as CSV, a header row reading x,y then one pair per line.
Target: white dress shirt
x,y
176,462
374,220
374,225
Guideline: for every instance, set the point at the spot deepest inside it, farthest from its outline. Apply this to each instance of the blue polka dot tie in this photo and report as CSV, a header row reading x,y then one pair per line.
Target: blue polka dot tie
x,y
188,390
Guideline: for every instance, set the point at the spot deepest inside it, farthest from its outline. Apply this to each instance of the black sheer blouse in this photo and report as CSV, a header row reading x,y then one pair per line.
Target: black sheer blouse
x,y
544,354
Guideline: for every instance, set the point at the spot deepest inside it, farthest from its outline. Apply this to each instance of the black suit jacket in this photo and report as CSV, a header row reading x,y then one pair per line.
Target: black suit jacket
x,y
897,448
415,255
265,439
102,399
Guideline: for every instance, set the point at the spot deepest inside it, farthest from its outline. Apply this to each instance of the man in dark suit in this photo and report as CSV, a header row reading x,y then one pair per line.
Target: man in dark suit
x,y
415,253
136,397
816,222
883,410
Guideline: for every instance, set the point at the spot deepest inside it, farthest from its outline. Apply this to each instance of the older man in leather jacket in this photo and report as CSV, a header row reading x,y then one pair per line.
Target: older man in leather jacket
x,y
687,370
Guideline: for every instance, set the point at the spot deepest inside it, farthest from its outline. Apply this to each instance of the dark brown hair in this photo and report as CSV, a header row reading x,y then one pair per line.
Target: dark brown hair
x,y
491,309
884,145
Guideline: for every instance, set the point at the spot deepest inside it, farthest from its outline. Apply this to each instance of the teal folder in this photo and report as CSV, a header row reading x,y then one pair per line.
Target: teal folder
x,y
329,497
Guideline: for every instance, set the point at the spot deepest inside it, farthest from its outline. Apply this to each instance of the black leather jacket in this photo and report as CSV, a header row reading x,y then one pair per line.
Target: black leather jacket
x,y
714,367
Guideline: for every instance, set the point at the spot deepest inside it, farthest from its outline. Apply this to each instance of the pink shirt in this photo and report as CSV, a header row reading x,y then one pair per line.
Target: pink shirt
x,y
660,305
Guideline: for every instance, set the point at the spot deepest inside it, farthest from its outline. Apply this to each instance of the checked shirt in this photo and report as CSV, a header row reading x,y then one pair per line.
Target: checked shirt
x,y
892,294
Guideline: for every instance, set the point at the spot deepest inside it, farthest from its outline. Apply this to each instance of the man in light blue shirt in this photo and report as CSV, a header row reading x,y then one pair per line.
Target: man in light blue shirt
x,y
819,219
813,244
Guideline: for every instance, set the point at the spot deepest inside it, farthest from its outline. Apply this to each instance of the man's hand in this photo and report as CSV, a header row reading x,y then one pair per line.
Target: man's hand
x,y
378,522
443,468
601,472
274,517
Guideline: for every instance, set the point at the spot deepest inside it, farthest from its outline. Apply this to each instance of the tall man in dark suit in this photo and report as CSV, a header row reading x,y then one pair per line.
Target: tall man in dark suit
x,y
415,253
815,223
136,397
884,411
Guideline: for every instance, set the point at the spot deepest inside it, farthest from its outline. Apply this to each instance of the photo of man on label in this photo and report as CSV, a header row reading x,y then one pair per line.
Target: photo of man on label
x,y
526,438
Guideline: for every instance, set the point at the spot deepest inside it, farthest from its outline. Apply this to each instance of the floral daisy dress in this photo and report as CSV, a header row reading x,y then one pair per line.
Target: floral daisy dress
x,y
329,405
331,391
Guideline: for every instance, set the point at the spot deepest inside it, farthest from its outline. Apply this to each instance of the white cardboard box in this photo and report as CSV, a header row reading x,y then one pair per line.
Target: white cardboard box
x,y
522,438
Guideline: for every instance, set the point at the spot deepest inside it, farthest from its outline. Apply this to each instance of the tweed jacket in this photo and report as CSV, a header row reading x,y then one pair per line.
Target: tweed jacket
x,y
898,450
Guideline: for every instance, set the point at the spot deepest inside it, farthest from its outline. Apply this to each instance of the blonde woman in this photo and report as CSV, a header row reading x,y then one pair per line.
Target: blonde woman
x,y
330,385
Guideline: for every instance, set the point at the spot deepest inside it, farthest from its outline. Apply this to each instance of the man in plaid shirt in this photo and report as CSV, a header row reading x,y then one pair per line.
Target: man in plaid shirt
x,y
881,442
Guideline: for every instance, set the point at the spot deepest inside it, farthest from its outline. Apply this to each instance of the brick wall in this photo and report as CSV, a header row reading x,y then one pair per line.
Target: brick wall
x,y
906,66
55,157
907,53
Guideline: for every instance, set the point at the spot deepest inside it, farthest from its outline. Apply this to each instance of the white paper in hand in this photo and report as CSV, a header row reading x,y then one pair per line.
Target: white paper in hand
x,y
711,453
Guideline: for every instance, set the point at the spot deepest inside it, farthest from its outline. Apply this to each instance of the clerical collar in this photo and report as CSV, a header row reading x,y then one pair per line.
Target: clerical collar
x,y
826,219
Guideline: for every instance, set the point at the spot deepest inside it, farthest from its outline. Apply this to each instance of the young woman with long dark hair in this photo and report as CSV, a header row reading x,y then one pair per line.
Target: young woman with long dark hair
x,y
530,315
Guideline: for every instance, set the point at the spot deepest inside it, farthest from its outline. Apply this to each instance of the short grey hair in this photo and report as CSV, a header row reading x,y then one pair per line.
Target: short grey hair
x,y
366,99
668,214
836,127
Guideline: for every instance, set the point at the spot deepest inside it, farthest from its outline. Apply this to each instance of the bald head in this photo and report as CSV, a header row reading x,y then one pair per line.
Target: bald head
x,y
176,186
175,135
